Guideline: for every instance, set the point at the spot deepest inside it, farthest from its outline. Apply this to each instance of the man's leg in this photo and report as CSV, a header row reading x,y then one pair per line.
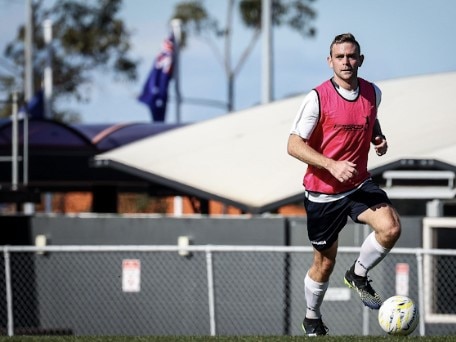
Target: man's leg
x,y
315,286
323,263
385,221
387,228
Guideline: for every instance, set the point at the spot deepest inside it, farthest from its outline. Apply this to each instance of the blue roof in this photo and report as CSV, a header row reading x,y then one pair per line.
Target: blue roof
x,y
44,133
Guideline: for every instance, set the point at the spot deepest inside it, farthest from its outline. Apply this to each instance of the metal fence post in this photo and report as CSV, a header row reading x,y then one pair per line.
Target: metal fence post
x,y
210,291
9,292
365,321
366,232
419,264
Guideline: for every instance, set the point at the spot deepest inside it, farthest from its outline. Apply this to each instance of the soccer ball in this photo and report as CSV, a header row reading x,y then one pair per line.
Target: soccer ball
x,y
398,315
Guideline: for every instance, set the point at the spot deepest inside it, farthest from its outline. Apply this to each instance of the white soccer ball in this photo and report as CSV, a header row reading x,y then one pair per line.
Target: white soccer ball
x,y
398,315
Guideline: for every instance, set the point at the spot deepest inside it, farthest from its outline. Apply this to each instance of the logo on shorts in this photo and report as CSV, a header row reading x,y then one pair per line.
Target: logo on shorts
x,y
318,242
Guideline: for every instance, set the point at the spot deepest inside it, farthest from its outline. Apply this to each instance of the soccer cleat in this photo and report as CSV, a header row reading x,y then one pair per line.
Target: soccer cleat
x,y
314,327
368,296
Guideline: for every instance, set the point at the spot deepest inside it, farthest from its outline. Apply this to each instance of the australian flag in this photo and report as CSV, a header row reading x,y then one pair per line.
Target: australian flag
x,y
155,90
35,107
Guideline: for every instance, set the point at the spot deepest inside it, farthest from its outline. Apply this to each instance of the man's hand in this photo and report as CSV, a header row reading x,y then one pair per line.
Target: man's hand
x,y
343,170
380,145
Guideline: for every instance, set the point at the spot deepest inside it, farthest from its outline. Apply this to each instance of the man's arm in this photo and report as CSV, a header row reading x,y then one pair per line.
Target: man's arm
x,y
342,170
377,131
379,139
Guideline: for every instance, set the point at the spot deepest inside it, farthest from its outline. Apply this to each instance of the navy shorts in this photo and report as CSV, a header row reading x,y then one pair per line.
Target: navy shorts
x,y
326,220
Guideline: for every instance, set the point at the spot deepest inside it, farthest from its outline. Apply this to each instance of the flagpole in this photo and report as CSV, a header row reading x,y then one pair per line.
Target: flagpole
x,y
14,144
28,208
47,29
47,93
176,25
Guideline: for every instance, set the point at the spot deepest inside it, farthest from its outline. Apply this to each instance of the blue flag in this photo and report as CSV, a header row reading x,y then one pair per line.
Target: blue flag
x,y
34,108
155,90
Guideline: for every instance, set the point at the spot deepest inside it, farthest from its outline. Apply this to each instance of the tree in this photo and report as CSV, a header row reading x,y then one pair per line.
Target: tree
x,y
196,20
87,36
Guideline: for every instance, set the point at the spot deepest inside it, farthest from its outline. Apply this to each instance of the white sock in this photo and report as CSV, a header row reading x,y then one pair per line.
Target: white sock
x,y
371,254
314,292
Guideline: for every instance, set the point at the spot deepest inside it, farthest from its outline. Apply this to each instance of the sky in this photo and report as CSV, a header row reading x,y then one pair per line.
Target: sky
x,y
399,38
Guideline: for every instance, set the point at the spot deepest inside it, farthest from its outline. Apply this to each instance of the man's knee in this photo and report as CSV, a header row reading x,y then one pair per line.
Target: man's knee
x,y
394,231
327,266
389,231
323,267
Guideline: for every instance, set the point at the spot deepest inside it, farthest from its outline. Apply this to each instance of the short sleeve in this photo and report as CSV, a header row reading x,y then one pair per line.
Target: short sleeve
x,y
307,117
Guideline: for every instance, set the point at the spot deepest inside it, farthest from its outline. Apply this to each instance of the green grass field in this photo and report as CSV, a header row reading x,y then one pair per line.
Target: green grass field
x,y
219,339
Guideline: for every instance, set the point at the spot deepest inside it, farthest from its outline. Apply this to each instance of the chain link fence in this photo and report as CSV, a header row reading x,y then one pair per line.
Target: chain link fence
x,y
207,290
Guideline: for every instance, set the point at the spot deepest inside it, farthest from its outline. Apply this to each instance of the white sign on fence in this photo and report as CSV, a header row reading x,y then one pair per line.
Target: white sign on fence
x,y
337,294
402,279
131,275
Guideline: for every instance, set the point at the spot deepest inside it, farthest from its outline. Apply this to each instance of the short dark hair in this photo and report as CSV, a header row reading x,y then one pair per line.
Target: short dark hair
x,y
345,38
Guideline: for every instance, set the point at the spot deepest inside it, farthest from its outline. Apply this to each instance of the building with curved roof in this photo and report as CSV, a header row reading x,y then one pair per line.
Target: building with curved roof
x,y
241,159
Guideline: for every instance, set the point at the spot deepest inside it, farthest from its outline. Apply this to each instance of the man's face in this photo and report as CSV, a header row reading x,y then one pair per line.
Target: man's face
x,y
345,61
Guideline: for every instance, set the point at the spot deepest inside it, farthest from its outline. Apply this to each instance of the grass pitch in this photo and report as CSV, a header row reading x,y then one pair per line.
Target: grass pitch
x,y
221,339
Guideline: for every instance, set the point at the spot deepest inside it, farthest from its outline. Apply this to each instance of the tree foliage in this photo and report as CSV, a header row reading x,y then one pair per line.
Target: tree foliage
x,y
197,21
87,36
